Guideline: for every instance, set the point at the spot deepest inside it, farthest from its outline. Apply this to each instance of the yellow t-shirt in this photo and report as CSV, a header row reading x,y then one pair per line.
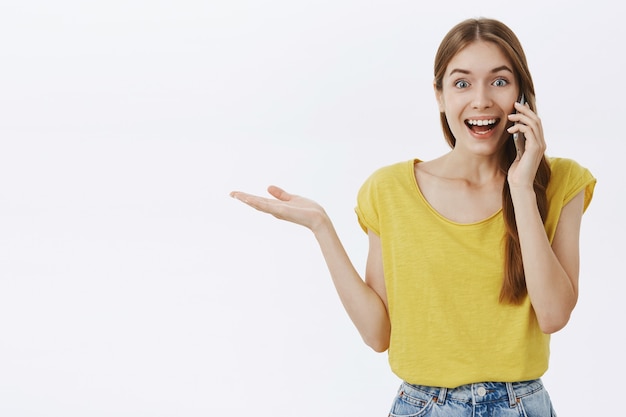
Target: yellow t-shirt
x,y
443,280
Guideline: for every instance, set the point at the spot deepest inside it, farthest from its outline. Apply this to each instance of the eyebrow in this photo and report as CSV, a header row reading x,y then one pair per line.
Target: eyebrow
x,y
493,71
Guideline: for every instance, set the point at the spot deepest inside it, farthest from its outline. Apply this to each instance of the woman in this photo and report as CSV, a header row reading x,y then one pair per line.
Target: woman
x,y
473,257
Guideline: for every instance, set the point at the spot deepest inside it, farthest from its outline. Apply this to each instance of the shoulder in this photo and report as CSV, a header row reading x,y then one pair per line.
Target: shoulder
x,y
387,181
561,165
565,170
392,172
568,178
380,190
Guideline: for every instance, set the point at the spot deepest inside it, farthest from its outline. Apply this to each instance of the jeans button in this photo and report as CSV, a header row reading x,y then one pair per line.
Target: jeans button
x,y
481,391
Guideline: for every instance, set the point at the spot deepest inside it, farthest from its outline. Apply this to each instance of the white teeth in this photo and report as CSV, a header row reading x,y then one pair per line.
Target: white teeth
x,y
482,122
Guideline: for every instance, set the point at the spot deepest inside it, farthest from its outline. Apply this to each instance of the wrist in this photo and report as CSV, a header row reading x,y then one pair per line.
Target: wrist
x,y
321,224
521,188
523,194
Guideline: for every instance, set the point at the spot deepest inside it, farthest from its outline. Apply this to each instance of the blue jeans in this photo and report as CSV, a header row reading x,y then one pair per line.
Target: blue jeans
x,y
493,399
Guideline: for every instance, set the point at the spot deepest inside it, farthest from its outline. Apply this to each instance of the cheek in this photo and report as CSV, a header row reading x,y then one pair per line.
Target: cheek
x,y
451,108
450,103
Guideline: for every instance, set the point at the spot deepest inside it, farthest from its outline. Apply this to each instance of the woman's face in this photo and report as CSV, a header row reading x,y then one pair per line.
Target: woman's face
x,y
478,92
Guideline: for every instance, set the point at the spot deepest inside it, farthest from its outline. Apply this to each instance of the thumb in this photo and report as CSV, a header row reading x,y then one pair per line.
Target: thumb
x,y
279,193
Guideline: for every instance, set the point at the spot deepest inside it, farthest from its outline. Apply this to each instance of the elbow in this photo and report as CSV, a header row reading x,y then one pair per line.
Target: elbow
x,y
378,343
553,324
379,346
377,335
556,317
550,328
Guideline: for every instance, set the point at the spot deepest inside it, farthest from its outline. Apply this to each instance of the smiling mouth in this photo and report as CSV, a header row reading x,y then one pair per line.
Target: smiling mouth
x,y
480,126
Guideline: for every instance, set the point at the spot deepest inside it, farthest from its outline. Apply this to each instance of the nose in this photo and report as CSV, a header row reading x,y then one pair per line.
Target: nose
x,y
481,98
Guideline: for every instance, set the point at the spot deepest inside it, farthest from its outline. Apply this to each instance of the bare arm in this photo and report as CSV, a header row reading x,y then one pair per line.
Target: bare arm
x,y
364,305
551,270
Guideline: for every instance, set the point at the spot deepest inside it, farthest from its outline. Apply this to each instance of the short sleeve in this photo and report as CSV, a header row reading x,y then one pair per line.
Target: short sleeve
x,y
567,180
573,178
366,209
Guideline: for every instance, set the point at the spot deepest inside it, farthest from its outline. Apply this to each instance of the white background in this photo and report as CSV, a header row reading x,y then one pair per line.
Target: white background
x,y
132,285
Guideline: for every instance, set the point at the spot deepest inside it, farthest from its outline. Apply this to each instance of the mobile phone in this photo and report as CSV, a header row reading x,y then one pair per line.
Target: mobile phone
x,y
518,138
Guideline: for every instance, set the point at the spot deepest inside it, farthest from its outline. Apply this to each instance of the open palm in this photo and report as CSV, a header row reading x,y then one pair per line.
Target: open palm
x,y
285,206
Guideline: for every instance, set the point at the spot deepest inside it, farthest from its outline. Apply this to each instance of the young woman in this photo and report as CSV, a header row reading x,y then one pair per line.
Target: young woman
x,y
473,257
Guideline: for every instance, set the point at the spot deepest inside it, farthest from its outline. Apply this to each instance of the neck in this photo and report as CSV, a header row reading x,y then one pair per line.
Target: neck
x,y
475,169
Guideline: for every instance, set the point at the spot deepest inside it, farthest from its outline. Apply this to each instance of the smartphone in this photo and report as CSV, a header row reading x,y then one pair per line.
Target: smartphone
x,y
518,138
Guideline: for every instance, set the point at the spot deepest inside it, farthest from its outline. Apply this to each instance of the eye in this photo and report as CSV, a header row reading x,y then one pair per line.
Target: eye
x,y
500,82
461,84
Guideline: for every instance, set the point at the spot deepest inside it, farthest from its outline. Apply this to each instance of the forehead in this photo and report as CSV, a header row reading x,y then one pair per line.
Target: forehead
x,y
479,57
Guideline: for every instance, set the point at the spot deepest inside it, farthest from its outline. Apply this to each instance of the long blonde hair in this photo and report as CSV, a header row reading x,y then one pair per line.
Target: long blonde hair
x,y
513,288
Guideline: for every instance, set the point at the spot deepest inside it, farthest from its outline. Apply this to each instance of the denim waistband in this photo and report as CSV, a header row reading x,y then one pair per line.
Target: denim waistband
x,y
481,392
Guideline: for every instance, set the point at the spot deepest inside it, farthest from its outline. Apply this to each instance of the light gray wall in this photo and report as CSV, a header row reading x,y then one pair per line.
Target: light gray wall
x,y
131,284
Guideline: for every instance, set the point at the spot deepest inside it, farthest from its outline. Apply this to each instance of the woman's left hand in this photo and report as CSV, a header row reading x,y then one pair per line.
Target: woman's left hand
x,y
523,170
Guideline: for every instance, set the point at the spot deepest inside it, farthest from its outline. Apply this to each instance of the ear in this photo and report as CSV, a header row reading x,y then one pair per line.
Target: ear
x,y
439,97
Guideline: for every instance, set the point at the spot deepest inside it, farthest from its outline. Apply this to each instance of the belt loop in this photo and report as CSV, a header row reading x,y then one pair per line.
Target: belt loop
x,y
441,399
511,393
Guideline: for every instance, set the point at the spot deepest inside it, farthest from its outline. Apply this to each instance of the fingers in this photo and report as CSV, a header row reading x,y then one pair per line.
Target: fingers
x,y
527,122
275,191
523,114
238,195
249,199
263,204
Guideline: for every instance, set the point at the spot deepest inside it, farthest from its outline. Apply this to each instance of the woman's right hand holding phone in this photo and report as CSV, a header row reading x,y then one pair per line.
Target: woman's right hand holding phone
x,y
523,170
